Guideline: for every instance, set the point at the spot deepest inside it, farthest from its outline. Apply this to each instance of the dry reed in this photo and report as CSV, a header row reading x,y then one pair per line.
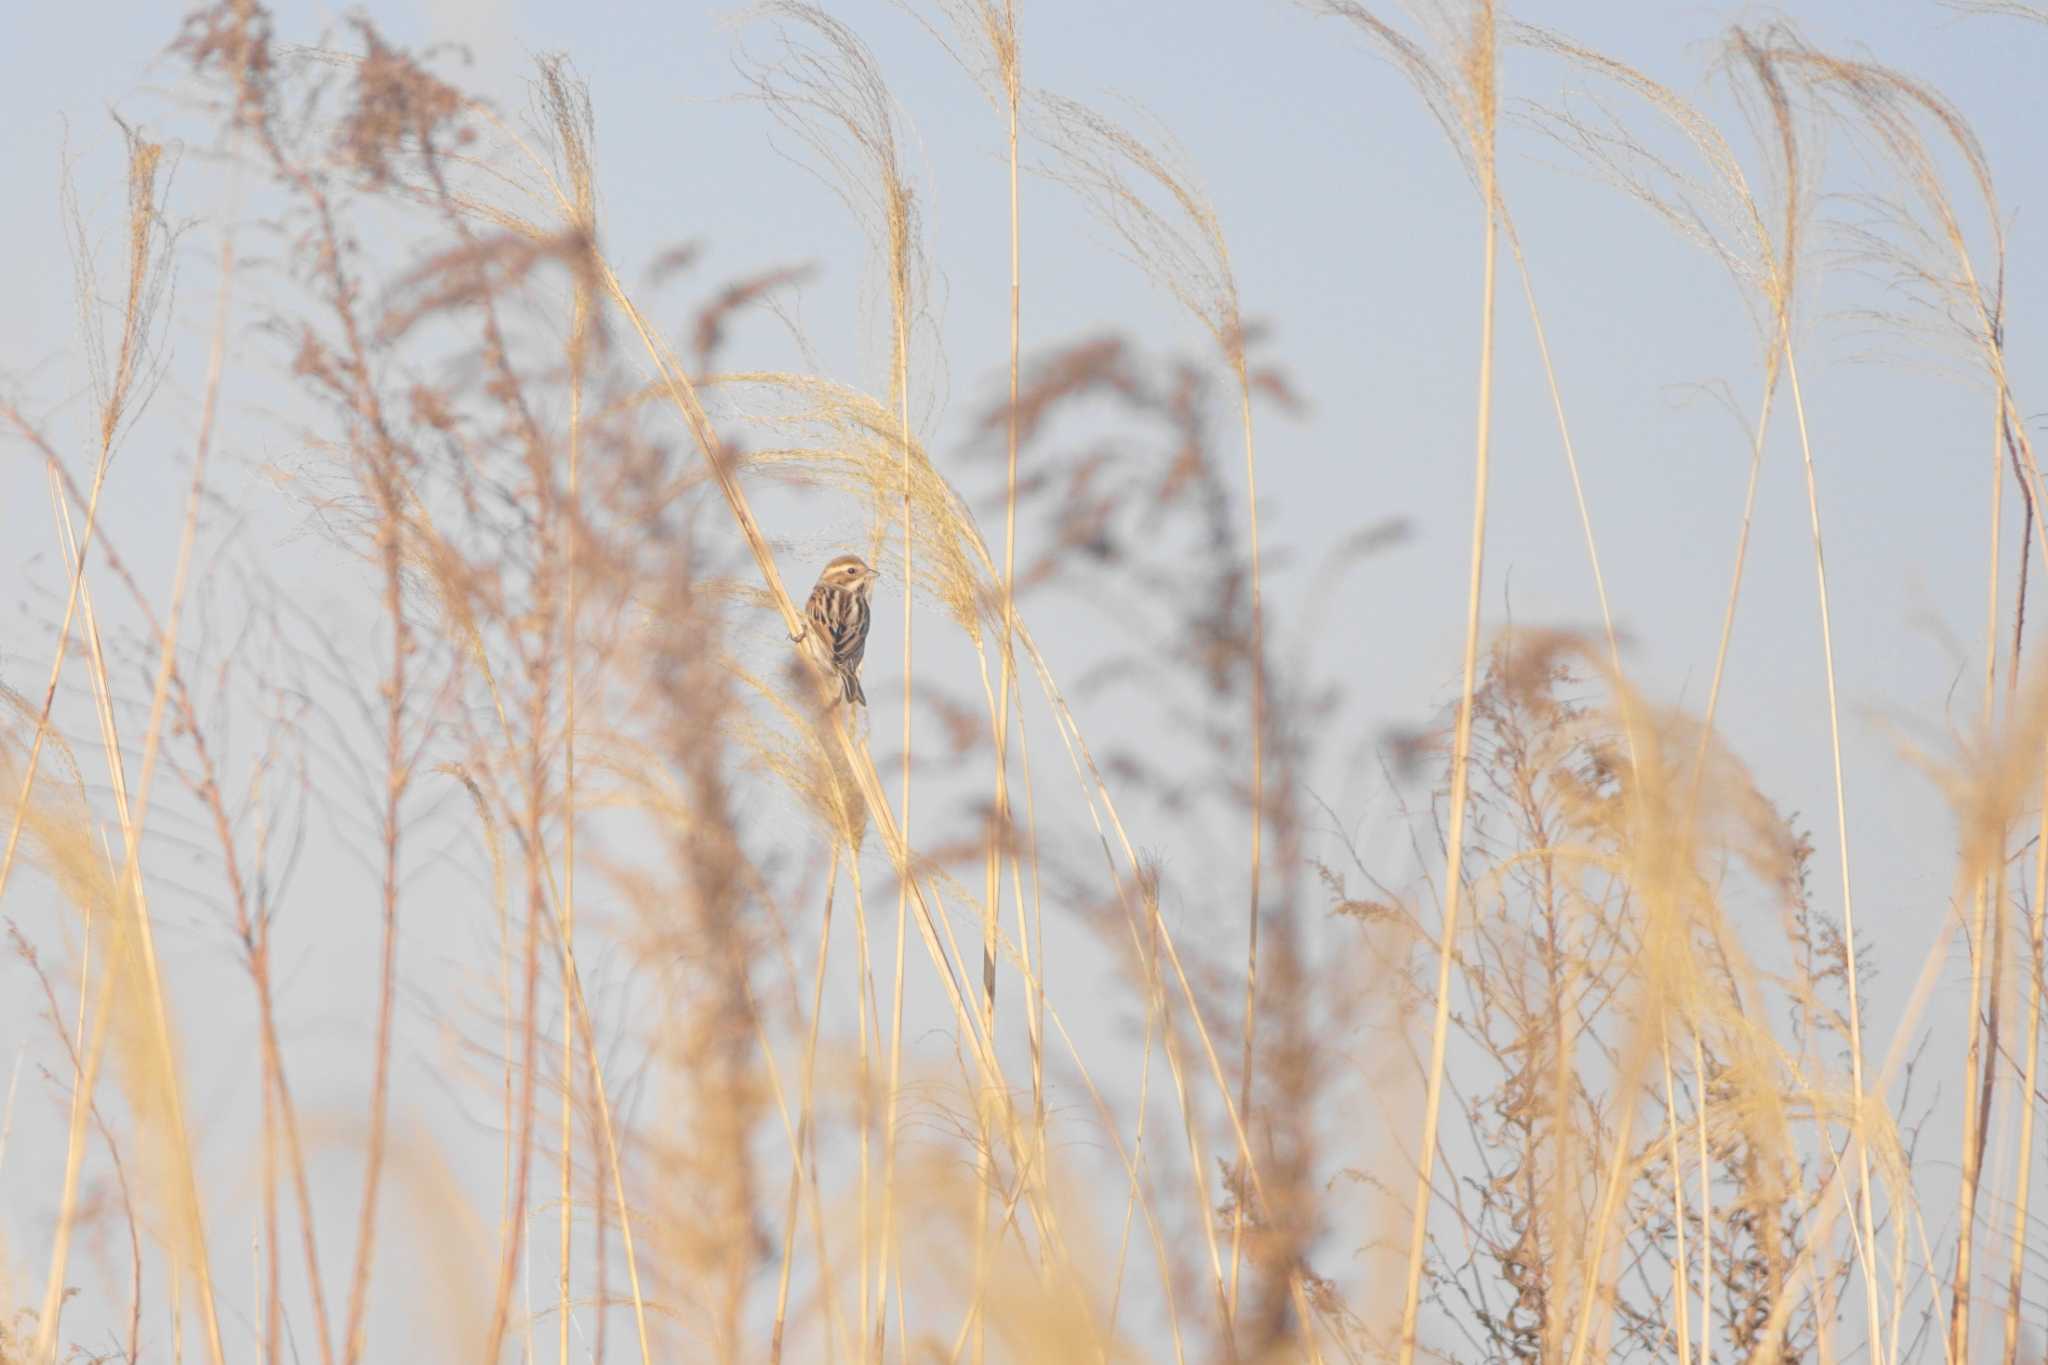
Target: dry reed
x,y
1642,1126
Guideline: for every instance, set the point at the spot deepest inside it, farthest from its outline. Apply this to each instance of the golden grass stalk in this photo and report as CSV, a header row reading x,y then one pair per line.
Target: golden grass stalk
x,y
1889,108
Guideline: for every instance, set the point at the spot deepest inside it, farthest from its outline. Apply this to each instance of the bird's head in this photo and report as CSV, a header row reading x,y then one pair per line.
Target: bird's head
x,y
850,572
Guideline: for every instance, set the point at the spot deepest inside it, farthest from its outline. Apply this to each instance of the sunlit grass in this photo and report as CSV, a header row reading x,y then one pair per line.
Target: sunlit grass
x,y
1621,1096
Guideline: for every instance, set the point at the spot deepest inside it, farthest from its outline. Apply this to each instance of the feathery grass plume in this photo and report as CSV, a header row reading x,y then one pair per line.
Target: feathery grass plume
x,y
1149,199
1989,780
1908,123
823,85
1595,882
122,374
1754,233
1990,784
1715,207
810,768
854,445
981,35
1925,244
1450,66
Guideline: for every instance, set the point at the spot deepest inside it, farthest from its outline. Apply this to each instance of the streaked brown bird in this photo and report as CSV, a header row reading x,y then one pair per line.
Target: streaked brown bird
x,y
838,607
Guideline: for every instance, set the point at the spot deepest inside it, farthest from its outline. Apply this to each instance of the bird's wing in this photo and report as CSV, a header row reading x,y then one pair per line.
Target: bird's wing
x,y
843,620
850,636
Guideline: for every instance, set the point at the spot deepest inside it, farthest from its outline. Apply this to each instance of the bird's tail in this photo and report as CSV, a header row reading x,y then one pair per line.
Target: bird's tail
x,y
851,685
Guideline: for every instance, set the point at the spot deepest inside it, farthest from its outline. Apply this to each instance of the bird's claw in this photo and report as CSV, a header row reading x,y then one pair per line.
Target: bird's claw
x,y
801,632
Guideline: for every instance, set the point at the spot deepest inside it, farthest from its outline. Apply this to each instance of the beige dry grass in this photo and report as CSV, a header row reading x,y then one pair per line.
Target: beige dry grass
x,y
1622,1051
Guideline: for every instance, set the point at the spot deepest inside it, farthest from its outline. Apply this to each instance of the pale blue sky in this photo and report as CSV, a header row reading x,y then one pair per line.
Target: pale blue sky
x,y
1355,234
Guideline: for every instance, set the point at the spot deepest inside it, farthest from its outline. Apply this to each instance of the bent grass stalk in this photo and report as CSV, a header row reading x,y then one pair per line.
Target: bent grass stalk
x,y
145,268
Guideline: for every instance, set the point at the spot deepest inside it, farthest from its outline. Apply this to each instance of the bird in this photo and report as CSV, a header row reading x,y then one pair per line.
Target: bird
x,y
838,607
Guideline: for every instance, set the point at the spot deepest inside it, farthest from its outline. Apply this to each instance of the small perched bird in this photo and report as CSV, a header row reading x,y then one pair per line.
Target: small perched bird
x,y
838,607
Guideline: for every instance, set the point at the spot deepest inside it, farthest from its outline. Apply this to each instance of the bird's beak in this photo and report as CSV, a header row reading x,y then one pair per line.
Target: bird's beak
x,y
873,574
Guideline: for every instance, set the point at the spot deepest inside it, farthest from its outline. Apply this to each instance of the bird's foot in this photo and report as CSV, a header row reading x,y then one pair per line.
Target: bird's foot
x,y
801,632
